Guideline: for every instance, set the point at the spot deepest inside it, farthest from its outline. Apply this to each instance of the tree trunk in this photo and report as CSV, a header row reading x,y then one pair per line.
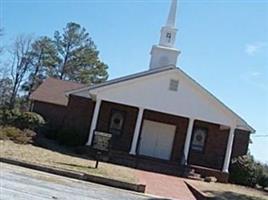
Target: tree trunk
x,y
64,62
13,96
34,76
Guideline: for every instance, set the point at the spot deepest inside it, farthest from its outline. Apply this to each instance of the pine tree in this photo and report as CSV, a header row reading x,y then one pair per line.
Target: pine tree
x,y
78,58
44,58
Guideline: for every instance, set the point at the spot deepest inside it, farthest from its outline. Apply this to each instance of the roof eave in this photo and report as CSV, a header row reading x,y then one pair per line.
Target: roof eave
x,y
122,79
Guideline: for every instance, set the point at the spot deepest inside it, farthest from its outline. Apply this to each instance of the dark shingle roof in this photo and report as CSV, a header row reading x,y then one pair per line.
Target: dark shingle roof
x,y
53,91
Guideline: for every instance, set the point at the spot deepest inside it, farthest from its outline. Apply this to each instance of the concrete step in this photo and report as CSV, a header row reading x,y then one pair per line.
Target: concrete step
x,y
195,178
194,175
191,174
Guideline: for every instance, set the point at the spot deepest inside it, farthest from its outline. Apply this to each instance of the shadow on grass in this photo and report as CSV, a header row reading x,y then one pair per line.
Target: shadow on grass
x,y
232,196
53,145
84,152
74,165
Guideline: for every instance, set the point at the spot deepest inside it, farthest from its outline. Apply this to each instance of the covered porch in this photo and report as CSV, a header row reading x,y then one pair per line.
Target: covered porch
x,y
144,138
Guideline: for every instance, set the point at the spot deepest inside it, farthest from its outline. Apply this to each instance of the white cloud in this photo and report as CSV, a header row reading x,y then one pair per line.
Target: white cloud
x,y
252,49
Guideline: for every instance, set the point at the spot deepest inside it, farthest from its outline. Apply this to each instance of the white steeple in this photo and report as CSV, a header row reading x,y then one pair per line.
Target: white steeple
x,y
171,21
165,53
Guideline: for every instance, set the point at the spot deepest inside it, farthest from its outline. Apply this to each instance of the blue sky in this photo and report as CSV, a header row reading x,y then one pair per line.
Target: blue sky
x,y
224,43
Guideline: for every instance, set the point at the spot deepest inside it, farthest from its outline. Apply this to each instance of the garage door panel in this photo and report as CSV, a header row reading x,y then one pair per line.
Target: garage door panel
x,y
148,139
157,139
165,141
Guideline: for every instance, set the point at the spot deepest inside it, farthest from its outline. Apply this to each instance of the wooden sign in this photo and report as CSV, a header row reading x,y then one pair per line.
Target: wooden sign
x,y
102,141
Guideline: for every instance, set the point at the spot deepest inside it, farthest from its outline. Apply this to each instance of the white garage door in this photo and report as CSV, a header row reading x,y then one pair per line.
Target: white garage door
x,y
157,139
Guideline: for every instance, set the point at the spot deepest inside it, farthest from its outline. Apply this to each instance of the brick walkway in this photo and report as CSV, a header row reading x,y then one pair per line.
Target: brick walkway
x,y
164,185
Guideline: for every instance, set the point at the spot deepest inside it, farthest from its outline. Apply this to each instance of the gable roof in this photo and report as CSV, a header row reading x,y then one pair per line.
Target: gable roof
x,y
213,97
127,79
53,91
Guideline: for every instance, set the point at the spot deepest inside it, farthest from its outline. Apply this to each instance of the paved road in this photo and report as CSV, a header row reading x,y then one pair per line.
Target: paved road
x,y
17,183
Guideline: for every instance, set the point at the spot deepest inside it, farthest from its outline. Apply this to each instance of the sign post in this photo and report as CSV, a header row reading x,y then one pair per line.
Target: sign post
x,y
101,143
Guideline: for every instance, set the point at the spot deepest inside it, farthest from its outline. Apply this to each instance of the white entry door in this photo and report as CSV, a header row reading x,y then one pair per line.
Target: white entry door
x,y
156,139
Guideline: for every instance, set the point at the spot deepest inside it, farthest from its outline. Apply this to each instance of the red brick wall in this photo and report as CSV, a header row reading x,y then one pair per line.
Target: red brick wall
x,y
78,116
52,113
181,130
214,149
240,144
122,142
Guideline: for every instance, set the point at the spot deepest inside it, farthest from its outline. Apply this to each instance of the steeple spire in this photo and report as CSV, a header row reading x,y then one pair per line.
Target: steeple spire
x,y
171,20
168,32
165,53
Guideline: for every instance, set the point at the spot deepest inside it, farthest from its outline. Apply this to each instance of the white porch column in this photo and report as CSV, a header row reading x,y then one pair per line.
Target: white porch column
x,y
228,150
188,140
136,132
94,121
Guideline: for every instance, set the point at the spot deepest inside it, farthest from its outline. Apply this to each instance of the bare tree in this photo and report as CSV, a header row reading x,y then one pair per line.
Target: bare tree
x,y
20,64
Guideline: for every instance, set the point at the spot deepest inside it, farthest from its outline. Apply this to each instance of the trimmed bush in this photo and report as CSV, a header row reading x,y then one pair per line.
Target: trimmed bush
x,y
29,120
22,120
69,137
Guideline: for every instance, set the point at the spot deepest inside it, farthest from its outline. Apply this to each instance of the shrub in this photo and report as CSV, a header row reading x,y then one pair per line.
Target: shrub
x,y
8,117
29,120
243,171
246,171
69,137
22,120
16,135
263,180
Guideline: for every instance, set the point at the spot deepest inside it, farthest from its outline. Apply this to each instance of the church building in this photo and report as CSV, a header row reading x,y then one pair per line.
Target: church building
x,y
160,116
